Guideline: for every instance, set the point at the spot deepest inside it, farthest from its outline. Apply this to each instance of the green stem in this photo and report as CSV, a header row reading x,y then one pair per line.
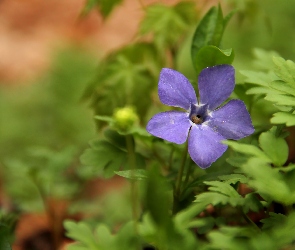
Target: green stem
x,y
177,190
133,186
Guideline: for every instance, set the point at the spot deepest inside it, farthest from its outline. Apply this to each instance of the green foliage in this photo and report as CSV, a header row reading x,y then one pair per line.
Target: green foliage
x,y
207,38
277,86
276,148
223,193
125,78
137,174
101,237
102,159
263,178
105,6
7,226
167,24
43,173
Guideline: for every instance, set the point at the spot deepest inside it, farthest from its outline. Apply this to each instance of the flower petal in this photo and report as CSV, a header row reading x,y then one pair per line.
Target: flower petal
x,y
204,145
232,120
216,84
175,89
171,126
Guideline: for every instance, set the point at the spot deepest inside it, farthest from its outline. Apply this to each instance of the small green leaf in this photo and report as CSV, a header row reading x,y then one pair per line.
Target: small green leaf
x,y
273,221
138,174
247,150
285,69
211,55
279,99
258,78
105,6
283,118
222,187
261,91
282,87
234,178
208,32
168,23
276,148
102,158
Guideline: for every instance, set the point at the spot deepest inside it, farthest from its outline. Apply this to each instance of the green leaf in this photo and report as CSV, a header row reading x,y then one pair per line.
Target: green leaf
x,y
258,78
276,148
102,158
211,55
280,99
233,178
222,187
137,174
273,221
282,87
263,58
247,150
158,200
285,70
261,91
115,138
268,182
208,32
105,6
125,78
283,118
168,23
81,232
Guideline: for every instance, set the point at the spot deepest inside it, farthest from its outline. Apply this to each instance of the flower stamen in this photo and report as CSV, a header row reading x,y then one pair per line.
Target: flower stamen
x,y
197,119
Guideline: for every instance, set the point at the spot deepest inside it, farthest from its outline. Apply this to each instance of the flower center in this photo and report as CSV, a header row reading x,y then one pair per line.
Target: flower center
x,y
198,114
197,119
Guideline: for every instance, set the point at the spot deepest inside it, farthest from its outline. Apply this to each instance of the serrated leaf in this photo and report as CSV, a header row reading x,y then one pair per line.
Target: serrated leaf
x,y
270,184
258,78
273,221
222,187
125,78
283,118
211,55
233,178
137,174
261,91
263,58
280,99
251,203
276,148
102,158
215,198
282,87
285,69
168,23
80,232
247,150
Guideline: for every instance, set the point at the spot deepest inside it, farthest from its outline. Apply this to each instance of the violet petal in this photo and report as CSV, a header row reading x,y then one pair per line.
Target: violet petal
x,y
216,84
172,126
204,145
232,120
175,89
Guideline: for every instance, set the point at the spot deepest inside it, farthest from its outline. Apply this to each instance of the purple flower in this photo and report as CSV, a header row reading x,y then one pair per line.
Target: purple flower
x,y
204,123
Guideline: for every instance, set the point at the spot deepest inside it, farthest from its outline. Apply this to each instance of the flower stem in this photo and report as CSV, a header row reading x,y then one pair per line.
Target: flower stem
x,y
177,190
133,186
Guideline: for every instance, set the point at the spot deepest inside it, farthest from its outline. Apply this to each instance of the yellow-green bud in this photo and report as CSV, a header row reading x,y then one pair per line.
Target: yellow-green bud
x,y
125,118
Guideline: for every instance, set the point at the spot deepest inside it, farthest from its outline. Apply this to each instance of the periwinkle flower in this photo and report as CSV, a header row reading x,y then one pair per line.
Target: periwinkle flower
x,y
205,123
